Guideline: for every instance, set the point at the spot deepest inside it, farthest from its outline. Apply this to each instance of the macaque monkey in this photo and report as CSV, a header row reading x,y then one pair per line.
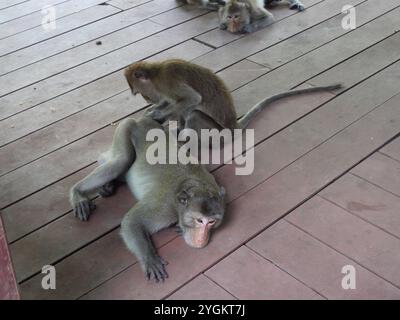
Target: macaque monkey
x,y
245,16
206,4
167,194
193,95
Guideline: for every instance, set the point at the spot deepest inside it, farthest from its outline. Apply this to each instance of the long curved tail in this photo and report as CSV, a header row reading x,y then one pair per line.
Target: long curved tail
x,y
250,115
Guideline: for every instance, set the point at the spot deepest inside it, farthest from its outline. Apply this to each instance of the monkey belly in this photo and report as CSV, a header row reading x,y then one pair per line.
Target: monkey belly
x,y
140,182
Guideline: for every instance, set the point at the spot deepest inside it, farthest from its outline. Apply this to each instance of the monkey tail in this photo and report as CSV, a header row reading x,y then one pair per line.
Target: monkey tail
x,y
250,115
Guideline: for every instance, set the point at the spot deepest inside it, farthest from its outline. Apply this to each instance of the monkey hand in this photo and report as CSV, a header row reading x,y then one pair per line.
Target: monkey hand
x,y
297,6
82,207
247,29
154,268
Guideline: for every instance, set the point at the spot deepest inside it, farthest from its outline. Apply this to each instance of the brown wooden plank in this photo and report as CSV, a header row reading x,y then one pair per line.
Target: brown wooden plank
x,y
322,33
264,167
251,44
201,288
317,265
283,191
34,19
65,24
234,76
382,171
8,284
127,4
366,244
106,64
366,201
24,8
8,3
392,149
218,38
83,34
249,276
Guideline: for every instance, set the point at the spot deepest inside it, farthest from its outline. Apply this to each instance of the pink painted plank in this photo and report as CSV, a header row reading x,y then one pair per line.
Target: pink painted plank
x,y
96,263
127,4
382,171
284,191
251,44
366,244
67,234
8,285
367,201
322,33
41,208
392,149
242,184
68,23
249,276
83,34
218,38
317,265
73,78
201,288
34,19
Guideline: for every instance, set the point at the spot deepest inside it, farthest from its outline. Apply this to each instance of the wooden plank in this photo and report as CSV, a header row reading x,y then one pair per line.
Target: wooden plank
x,y
68,59
201,288
218,38
236,75
392,149
366,244
58,135
380,170
8,3
284,191
34,19
94,69
310,140
38,34
252,43
317,265
127,4
366,201
321,34
8,285
24,8
82,35
248,276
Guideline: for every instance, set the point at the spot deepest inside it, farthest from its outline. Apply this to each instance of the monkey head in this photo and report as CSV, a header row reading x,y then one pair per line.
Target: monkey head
x,y
200,209
140,77
235,15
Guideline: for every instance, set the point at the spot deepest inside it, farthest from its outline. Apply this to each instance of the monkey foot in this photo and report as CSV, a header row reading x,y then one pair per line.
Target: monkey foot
x,y
83,208
155,269
297,6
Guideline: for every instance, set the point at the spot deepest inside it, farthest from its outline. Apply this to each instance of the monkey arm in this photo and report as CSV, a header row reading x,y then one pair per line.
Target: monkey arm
x,y
136,235
257,24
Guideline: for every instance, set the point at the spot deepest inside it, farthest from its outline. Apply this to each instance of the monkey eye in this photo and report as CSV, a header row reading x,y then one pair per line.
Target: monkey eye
x,y
229,17
236,16
199,220
211,222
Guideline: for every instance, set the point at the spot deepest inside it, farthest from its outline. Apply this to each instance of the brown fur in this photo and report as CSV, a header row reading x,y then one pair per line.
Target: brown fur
x,y
166,76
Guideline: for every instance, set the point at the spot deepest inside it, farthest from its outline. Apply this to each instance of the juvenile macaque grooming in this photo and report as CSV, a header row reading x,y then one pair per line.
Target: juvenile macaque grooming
x,y
193,95
244,16
167,194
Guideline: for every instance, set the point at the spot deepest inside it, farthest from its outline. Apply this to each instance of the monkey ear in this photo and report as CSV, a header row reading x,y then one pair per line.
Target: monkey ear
x,y
183,197
222,192
141,75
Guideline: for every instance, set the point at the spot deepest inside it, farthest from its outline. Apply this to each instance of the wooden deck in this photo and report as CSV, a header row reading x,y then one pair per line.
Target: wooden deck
x,y
325,192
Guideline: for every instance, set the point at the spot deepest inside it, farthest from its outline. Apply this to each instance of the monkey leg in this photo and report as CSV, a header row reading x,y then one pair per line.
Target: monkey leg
x,y
136,227
113,164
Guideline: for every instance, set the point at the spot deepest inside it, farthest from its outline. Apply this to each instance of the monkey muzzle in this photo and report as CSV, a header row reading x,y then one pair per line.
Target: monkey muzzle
x,y
198,237
234,26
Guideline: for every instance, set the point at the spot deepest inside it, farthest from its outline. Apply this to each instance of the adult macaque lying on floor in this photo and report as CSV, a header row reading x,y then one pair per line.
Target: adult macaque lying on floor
x,y
244,16
167,194
193,95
